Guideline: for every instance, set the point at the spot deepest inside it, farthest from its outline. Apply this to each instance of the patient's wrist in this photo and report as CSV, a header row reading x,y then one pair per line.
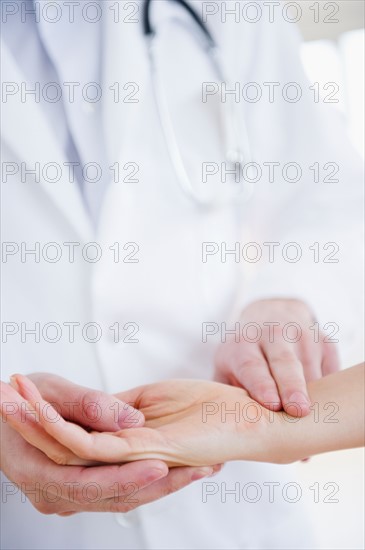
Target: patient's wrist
x,y
289,444
280,447
335,421
263,437
294,438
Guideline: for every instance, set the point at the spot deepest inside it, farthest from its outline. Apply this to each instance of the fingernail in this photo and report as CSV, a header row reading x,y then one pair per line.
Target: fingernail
x,y
216,470
202,472
130,417
13,382
155,474
299,399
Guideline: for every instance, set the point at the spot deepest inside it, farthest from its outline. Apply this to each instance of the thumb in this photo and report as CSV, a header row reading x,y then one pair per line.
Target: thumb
x,y
90,408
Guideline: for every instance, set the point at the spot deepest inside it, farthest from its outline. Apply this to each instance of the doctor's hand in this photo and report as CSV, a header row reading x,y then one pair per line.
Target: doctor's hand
x,y
275,369
66,490
186,425
56,488
94,409
196,422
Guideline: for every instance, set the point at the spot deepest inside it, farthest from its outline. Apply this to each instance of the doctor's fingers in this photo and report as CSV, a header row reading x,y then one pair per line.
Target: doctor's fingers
x,y
92,408
65,489
22,418
310,353
243,364
45,482
92,447
62,441
288,372
41,426
330,357
135,496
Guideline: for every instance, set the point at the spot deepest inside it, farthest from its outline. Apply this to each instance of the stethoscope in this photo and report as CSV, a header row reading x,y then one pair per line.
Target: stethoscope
x,y
237,150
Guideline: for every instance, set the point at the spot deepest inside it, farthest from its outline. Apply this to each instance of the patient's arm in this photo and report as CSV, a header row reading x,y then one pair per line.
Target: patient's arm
x,y
179,426
194,422
211,431
336,421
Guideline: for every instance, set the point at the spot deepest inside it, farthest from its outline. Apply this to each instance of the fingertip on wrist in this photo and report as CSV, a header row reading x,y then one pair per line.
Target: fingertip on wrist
x,y
271,401
298,404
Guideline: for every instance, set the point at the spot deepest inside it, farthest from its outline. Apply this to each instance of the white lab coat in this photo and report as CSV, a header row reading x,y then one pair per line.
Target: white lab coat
x,y
170,292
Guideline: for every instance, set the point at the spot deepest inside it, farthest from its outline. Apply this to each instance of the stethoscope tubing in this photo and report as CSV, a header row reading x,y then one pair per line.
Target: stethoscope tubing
x,y
148,29
233,133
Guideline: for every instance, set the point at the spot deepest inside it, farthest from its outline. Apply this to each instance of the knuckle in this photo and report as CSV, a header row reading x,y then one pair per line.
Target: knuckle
x,y
285,357
250,364
274,334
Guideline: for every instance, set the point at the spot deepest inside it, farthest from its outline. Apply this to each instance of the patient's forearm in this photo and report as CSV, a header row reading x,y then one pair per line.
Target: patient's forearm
x,y
201,423
336,420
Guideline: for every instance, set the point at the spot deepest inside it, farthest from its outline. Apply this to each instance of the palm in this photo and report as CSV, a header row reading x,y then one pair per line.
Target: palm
x,y
186,424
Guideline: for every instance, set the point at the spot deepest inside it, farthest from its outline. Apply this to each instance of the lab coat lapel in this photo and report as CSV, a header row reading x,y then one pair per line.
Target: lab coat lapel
x,y
125,70
26,131
125,63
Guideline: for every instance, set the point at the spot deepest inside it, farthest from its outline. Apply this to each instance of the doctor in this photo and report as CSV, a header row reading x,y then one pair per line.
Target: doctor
x,y
119,270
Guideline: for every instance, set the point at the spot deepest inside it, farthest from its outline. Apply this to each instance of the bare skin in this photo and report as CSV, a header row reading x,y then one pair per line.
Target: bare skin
x,y
184,425
272,371
151,478
277,366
